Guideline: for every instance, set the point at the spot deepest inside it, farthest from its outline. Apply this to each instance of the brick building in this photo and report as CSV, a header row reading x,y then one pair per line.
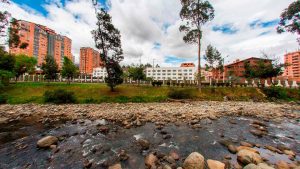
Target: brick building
x,y
292,72
237,68
43,41
89,59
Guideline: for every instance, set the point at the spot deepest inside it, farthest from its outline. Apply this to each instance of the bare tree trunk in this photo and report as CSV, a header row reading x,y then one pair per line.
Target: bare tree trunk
x,y
199,63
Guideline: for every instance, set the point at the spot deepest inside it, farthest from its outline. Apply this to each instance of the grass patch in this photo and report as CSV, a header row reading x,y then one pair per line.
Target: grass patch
x,y
20,93
280,93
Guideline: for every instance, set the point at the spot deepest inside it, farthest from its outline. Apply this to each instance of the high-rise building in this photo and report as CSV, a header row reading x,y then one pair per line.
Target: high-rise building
x,y
89,59
43,41
292,71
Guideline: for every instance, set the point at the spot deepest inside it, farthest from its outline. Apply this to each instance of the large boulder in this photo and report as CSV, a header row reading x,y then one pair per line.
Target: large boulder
x,y
251,166
282,165
247,148
215,164
194,161
264,166
47,141
247,157
115,166
150,161
3,120
144,144
232,149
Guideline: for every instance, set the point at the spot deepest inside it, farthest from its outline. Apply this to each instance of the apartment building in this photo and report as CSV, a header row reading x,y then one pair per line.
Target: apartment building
x,y
186,71
43,41
292,71
100,72
237,68
89,59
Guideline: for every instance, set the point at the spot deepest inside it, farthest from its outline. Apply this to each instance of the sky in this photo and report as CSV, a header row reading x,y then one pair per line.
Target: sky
x,y
150,28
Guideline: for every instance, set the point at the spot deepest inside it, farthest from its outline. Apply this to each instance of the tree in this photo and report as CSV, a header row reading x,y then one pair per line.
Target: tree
x,y
4,20
195,13
214,59
69,70
137,73
24,64
108,39
290,19
14,38
7,62
50,68
264,69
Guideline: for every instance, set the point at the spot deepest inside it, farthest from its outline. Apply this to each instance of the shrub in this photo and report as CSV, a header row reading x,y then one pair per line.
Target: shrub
x,y
276,92
168,84
3,99
181,94
59,97
158,84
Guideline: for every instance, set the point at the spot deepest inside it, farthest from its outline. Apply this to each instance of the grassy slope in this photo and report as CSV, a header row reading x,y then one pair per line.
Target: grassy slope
x,y
97,93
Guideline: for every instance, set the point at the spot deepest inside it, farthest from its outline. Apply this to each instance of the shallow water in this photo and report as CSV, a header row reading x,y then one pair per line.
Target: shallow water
x,y
82,140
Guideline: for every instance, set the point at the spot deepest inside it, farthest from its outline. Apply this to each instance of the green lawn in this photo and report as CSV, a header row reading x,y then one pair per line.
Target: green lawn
x,y
20,93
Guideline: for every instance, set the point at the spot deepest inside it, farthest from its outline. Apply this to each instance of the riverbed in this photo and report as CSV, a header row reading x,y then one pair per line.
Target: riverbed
x,y
97,143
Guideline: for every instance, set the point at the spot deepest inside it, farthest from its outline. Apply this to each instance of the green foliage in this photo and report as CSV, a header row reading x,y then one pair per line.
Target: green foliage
x,y
108,39
59,96
181,94
50,68
264,69
290,19
137,73
24,64
157,83
7,63
276,92
213,58
196,13
13,31
114,78
3,99
69,69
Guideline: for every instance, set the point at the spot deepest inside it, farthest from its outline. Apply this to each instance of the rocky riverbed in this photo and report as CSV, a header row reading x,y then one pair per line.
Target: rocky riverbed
x,y
155,135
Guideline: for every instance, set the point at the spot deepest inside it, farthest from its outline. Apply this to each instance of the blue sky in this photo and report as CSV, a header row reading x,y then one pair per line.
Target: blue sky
x,y
150,28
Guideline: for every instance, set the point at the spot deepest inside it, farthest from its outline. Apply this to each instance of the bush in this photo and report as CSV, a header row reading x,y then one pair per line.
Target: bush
x,y
158,84
276,92
181,94
3,99
59,97
168,84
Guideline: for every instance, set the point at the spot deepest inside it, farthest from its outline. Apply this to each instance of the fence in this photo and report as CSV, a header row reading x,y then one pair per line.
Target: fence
x,y
90,79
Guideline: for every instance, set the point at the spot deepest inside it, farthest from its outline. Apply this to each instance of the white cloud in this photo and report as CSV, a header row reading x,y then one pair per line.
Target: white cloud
x,y
143,23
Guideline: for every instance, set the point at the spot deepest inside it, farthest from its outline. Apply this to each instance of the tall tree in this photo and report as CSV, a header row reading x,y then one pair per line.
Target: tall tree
x,y
195,13
290,19
24,64
50,68
214,59
7,62
137,73
108,40
69,70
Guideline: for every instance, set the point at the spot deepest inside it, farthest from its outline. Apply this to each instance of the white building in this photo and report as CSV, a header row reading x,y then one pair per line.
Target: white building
x,y
99,72
184,72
